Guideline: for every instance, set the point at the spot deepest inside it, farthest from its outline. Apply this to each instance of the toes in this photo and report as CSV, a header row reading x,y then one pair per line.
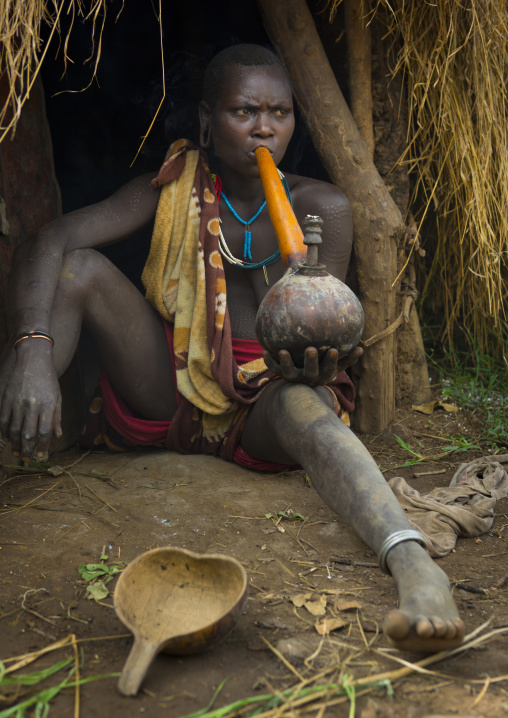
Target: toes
x,y
451,630
435,627
397,625
424,627
460,628
423,634
440,626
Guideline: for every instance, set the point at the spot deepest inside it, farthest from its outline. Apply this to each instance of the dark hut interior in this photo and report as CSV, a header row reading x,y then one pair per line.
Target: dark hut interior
x,y
97,131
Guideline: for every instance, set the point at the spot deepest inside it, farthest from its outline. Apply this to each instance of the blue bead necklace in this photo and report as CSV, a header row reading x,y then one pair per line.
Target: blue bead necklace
x,y
247,236
247,253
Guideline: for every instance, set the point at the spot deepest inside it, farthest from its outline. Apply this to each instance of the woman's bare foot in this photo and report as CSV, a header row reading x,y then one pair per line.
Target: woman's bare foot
x,y
427,619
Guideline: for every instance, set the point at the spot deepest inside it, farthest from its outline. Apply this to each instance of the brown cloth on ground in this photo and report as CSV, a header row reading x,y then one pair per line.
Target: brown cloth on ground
x,y
465,508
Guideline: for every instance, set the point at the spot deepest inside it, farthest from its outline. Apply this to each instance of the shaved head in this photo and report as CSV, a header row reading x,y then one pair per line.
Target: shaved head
x,y
234,60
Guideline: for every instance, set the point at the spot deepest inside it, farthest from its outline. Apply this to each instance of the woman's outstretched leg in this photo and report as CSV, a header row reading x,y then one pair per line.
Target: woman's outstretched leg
x,y
292,423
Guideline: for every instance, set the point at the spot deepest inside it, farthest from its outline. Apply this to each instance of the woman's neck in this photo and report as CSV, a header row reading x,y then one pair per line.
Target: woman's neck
x,y
243,189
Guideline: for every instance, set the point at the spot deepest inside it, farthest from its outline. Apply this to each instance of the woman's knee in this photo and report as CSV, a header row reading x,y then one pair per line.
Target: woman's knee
x,y
82,270
285,396
326,396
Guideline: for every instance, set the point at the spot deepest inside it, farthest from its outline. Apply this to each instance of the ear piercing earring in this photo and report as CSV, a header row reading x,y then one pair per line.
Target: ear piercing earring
x,y
205,136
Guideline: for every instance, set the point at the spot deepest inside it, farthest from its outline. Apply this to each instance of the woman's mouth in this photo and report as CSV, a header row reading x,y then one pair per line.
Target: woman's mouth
x,y
252,153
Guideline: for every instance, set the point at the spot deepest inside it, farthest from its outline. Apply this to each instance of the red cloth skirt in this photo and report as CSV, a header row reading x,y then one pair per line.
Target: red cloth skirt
x,y
113,424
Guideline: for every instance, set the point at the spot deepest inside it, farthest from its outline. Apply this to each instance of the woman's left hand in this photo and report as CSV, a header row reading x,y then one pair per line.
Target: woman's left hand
x,y
314,372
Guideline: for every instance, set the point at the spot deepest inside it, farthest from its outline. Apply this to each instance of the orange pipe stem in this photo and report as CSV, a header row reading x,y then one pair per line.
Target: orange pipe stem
x,y
285,224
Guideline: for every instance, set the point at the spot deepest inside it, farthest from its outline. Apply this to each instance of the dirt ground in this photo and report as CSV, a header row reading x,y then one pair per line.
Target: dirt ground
x,y
126,504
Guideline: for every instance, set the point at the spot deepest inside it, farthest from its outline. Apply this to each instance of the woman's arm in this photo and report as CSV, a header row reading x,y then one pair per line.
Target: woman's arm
x,y
29,390
37,263
328,202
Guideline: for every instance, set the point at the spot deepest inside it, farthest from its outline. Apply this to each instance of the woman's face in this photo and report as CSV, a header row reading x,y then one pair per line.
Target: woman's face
x,y
254,109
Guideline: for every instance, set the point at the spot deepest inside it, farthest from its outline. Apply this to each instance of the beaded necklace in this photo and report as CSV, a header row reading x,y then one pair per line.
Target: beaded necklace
x,y
247,255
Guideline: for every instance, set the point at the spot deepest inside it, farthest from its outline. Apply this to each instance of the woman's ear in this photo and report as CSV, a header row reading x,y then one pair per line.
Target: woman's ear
x,y
205,129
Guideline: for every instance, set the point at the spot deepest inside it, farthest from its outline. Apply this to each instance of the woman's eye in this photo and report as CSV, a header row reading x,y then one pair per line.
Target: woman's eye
x,y
281,112
242,111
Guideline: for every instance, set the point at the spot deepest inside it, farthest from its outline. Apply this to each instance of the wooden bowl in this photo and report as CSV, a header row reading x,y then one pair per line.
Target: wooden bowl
x,y
176,601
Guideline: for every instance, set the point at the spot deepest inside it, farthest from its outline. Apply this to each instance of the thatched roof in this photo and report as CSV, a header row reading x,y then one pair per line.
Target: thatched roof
x,y
21,53
454,58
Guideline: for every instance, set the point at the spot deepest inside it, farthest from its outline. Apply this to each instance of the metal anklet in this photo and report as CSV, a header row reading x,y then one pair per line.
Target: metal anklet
x,y
393,540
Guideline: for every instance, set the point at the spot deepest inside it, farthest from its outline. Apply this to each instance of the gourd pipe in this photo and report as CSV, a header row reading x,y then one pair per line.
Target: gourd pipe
x,y
285,224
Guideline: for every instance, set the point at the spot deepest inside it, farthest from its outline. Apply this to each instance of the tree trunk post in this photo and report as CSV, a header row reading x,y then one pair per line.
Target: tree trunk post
x,y
29,192
29,198
360,69
376,219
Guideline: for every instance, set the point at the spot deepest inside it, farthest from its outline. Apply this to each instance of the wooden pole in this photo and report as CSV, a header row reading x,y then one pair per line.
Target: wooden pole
x,y
377,221
360,68
29,198
29,192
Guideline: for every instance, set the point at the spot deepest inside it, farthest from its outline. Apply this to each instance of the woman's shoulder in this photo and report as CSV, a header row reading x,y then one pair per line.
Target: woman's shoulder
x,y
313,196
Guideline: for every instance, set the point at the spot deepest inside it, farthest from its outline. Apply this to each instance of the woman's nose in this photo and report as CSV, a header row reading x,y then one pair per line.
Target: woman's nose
x,y
263,126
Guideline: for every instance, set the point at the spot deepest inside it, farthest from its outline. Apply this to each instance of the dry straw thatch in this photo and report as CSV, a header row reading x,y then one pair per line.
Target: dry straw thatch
x,y
454,58
21,51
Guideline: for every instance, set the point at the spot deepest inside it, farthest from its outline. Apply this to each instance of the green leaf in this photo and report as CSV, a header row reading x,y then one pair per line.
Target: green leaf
x,y
31,679
201,712
291,516
91,679
406,446
38,463
97,591
91,571
466,447
40,701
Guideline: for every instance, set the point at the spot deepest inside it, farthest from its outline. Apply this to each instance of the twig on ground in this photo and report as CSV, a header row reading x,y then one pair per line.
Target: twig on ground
x,y
78,677
288,570
100,498
34,499
83,521
27,658
429,473
69,466
350,562
470,588
499,584
43,633
481,693
283,659
34,613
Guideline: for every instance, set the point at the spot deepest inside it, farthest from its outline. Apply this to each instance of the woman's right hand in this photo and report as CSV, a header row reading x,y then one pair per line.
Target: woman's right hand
x,y
30,411
314,372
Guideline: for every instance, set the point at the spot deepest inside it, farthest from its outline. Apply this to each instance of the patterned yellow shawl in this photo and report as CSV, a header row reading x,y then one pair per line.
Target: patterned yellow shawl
x,y
184,280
